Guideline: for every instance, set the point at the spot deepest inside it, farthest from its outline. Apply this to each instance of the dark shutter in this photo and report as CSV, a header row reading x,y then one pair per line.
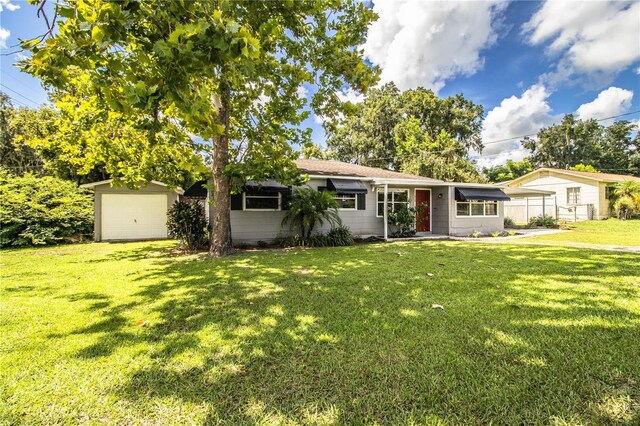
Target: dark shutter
x,y
286,198
236,201
361,200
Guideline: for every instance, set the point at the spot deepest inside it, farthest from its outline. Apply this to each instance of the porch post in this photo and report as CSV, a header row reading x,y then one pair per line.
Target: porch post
x,y
385,213
544,211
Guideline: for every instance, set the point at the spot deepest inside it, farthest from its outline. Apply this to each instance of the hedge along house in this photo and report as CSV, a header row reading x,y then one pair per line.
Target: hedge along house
x,y
365,195
125,214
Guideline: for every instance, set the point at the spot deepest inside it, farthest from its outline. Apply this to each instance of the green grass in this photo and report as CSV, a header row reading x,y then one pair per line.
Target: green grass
x,y
528,335
608,232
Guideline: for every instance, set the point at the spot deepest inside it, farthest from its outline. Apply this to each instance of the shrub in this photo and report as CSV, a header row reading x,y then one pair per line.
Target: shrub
x,y
308,208
43,210
509,223
625,200
262,244
403,218
543,221
242,246
186,221
475,234
339,236
336,237
288,241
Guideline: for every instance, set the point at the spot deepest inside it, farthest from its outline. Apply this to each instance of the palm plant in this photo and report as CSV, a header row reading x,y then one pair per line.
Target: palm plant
x,y
309,207
626,199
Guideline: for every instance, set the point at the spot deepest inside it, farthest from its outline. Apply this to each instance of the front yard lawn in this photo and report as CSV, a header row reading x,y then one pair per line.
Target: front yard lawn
x,y
608,232
139,334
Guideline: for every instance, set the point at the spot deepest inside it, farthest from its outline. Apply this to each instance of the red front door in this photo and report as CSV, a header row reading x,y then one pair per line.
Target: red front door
x,y
423,218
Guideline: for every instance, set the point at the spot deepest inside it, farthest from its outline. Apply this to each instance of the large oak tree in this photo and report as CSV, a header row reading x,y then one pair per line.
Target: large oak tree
x,y
612,149
413,131
228,72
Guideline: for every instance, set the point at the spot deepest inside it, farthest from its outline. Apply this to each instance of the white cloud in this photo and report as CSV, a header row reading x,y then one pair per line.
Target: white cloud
x,y
320,119
610,102
350,96
527,114
4,36
516,153
302,92
515,117
599,37
424,43
6,4
638,70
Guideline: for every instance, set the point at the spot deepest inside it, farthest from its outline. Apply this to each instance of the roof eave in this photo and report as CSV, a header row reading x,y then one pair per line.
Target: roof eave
x,y
92,185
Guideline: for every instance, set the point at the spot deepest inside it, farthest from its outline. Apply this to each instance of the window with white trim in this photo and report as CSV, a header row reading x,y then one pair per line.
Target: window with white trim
x,y
573,195
394,197
476,208
347,201
262,200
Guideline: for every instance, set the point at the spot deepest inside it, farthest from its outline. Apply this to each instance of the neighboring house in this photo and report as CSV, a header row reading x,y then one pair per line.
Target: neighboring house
x,y
578,195
124,214
452,208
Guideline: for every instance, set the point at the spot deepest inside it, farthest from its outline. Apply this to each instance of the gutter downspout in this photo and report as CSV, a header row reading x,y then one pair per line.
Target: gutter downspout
x,y
386,212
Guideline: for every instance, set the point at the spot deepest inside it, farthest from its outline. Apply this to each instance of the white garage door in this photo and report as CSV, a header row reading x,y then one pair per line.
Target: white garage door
x,y
134,216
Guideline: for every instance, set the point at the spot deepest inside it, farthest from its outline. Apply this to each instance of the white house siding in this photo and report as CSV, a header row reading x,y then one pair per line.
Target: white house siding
x,y
463,226
253,226
590,193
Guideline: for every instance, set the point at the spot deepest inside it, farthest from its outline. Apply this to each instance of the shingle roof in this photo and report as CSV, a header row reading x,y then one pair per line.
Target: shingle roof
x,y
338,168
605,177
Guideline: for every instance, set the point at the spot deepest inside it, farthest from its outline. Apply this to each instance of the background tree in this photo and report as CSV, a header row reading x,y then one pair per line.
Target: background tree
x,y
312,151
17,126
444,158
584,168
621,151
227,72
366,136
413,131
92,143
626,199
572,142
509,171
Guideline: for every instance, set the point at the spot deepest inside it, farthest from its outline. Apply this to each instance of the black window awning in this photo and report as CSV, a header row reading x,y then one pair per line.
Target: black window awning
x,y
346,186
269,185
197,190
481,194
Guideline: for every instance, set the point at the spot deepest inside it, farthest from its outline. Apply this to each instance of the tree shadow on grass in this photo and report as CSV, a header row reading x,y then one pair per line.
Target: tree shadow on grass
x,y
349,335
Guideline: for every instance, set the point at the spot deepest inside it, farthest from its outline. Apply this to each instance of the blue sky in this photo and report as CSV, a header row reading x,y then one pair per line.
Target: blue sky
x,y
528,63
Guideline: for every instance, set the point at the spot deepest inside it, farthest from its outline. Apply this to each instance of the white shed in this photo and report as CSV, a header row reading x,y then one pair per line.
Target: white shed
x,y
125,214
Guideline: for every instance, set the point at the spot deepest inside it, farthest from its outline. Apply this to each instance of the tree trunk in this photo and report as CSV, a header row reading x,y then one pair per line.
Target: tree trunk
x,y
221,244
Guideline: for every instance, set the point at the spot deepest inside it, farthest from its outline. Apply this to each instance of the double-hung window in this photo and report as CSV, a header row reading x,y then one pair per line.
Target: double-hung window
x,y
262,200
476,208
573,196
395,197
347,201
